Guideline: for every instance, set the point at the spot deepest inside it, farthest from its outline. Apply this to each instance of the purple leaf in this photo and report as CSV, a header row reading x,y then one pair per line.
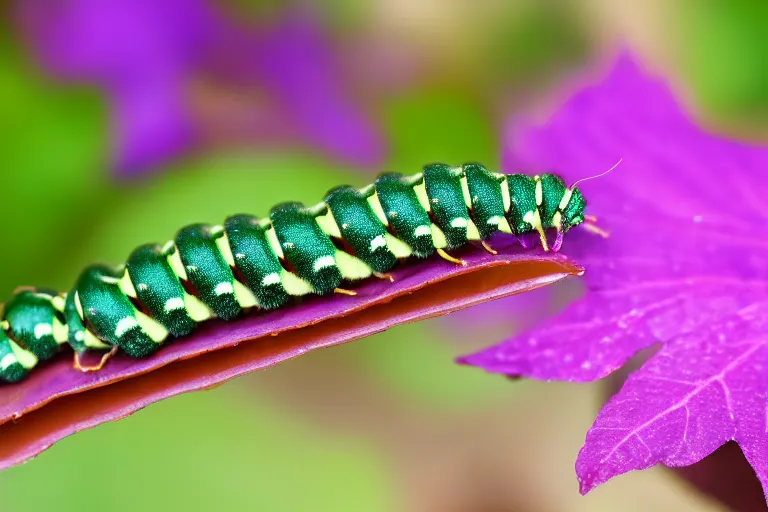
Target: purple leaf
x,y
148,55
56,401
684,268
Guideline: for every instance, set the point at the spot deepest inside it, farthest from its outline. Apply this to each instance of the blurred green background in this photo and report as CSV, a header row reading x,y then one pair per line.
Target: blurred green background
x,y
388,422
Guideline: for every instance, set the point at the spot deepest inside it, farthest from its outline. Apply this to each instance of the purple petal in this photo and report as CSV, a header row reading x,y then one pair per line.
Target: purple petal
x,y
219,351
686,252
146,55
298,65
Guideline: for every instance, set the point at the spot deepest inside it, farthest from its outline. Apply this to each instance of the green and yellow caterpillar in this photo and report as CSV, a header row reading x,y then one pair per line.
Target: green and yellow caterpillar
x,y
207,271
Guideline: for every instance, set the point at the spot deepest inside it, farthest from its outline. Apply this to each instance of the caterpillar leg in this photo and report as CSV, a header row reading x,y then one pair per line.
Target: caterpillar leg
x,y
343,291
558,242
488,248
85,369
379,275
595,230
450,258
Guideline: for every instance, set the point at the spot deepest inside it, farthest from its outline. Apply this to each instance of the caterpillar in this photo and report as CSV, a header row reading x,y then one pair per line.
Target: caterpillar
x,y
165,291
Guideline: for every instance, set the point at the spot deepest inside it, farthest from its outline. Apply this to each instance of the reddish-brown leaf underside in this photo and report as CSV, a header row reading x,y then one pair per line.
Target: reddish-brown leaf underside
x,y
57,401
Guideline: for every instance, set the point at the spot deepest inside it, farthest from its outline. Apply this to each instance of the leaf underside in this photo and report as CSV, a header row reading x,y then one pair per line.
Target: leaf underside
x,y
57,401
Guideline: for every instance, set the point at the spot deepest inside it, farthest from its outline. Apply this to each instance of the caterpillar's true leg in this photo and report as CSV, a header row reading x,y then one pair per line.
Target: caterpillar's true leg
x,y
384,276
450,258
106,357
590,218
342,291
558,242
488,247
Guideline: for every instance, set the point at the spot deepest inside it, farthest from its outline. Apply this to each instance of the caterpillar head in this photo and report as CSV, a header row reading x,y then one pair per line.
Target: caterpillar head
x,y
571,210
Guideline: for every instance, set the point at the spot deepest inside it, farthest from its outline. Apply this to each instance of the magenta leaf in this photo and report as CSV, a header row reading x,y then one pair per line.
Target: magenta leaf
x,y
56,401
684,268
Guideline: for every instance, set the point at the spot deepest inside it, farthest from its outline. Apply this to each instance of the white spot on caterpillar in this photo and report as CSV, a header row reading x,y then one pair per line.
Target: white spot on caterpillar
x,y
151,327
245,297
270,279
472,232
78,305
124,325
24,357
109,279
91,341
79,336
438,237
196,309
399,248
328,223
143,287
43,330
174,259
459,222
465,191
294,285
556,220
58,302
222,243
352,268
494,221
60,331
8,360
375,204
506,200
422,231
223,288
215,230
174,303
530,217
378,242
274,243
421,194
323,262
126,285
566,198
539,192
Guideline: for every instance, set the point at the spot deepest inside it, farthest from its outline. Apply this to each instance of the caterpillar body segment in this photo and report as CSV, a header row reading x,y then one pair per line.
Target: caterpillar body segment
x,y
407,217
255,261
36,321
360,227
307,248
450,212
165,291
159,289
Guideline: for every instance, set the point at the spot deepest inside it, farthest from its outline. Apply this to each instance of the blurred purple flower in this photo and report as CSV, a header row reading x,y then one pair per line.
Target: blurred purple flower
x,y
146,54
685,267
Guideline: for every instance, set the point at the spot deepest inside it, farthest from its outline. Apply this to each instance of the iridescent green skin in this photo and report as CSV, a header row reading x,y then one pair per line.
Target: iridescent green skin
x,y
249,263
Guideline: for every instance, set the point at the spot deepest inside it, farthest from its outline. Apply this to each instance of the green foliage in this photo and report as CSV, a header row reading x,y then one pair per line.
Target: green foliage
x,y
202,451
725,55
